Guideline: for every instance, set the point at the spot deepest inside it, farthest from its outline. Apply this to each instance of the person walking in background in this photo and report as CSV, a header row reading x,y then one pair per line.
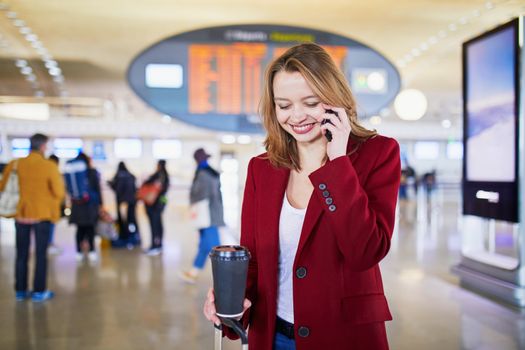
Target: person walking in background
x,y
205,188
52,248
83,184
41,189
160,179
123,183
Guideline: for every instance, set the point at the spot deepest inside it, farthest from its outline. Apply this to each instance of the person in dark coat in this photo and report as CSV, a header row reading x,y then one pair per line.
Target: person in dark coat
x,y
205,186
84,212
123,183
155,209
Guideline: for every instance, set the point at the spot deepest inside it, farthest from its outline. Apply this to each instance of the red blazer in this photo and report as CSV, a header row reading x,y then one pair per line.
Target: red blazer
x,y
337,289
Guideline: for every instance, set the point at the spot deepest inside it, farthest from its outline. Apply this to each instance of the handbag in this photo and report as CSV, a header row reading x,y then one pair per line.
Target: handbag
x,y
200,214
149,192
105,226
11,195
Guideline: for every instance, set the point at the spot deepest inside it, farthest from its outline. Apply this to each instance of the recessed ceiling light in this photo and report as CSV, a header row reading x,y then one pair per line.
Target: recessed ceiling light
x,y
55,71
20,63
432,40
25,30
26,70
446,123
415,52
375,120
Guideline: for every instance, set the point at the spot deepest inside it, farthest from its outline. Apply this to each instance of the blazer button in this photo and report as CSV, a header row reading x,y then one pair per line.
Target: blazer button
x,y
301,272
303,332
322,187
329,200
332,208
326,194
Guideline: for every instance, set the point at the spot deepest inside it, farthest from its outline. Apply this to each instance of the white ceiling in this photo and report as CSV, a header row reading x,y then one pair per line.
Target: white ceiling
x,y
98,39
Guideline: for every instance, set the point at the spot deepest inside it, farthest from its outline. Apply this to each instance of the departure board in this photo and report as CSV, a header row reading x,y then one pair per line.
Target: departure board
x,y
213,77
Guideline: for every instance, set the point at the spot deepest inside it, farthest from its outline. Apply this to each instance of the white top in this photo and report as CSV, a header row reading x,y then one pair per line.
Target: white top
x,y
290,225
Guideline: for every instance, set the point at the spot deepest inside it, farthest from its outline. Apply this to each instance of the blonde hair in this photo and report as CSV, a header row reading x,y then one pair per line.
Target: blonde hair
x,y
326,81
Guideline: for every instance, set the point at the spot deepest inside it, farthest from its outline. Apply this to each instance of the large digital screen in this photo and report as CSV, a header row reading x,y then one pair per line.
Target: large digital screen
x,y
20,147
213,77
491,93
67,148
127,148
426,150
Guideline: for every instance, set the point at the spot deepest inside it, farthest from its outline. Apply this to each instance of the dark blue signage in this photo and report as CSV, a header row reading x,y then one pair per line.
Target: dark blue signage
x,y
213,77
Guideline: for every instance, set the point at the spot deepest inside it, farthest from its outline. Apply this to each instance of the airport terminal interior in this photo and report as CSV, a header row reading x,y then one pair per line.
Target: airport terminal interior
x,y
139,82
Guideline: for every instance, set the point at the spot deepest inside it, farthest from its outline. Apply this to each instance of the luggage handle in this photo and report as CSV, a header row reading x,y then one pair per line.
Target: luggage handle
x,y
236,326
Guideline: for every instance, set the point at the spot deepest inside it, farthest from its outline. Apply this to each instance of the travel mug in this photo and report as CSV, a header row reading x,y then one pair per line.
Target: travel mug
x,y
230,268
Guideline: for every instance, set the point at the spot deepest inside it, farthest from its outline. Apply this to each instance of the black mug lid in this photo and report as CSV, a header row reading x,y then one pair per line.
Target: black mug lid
x,y
229,251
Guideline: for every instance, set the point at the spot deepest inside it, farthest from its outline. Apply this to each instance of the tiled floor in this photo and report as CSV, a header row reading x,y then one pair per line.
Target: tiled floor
x,y
131,301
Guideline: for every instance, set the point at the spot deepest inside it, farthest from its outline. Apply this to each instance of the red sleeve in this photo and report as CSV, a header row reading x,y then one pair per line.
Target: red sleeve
x,y
248,240
361,215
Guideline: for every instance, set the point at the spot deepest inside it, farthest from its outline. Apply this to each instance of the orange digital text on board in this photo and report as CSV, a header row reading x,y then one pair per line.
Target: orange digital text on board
x,y
227,78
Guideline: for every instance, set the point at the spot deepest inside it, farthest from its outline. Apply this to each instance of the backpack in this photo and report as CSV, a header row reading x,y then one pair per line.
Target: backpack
x,y
11,195
76,178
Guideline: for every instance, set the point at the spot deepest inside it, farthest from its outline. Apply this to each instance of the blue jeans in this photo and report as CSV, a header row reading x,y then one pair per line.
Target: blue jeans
x,y
282,342
209,238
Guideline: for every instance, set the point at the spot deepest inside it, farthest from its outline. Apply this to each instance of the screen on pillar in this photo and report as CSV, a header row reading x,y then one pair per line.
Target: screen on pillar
x,y
213,77
490,120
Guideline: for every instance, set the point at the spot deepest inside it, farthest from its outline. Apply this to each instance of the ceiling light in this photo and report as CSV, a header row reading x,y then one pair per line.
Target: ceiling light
x,y
25,30
50,64
442,34
19,23
20,63
244,139
475,13
415,52
446,123
463,20
407,58
11,14
26,70
410,104
423,46
228,139
55,71
375,120
432,40
489,5
31,37
452,27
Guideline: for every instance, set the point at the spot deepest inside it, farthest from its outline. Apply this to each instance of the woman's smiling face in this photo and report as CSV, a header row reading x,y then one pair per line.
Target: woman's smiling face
x,y
297,108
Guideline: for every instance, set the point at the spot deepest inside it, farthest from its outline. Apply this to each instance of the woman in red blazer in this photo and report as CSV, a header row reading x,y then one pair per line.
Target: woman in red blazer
x,y
317,215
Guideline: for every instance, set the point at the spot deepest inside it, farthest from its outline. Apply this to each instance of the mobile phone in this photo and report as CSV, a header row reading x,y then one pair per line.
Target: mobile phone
x,y
328,134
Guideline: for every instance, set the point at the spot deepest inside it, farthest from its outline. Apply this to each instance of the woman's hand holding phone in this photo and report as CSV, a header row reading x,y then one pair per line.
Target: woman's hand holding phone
x,y
336,128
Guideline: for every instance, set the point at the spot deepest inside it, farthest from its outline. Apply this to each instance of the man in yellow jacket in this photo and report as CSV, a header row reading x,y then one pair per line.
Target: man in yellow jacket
x,y
41,187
